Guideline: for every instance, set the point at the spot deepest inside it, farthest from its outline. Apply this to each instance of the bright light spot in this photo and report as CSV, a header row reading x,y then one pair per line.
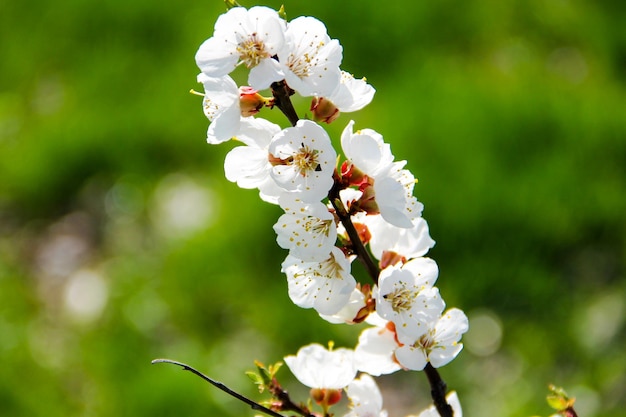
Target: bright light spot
x,y
598,323
181,206
485,333
85,295
587,400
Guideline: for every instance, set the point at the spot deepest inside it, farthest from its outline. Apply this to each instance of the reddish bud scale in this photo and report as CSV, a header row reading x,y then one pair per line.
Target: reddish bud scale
x,y
392,328
390,258
324,110
367,202
352,176
250,101
364,232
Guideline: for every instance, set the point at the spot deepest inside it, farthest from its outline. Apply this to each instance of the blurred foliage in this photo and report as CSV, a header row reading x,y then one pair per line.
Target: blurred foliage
x,y
121,241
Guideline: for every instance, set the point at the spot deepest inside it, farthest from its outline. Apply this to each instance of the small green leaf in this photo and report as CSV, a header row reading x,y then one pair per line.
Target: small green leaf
x,y
231,3
282,13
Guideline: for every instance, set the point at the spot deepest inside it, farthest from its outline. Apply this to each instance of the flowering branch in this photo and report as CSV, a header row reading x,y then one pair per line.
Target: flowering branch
x,y
372,197
254,405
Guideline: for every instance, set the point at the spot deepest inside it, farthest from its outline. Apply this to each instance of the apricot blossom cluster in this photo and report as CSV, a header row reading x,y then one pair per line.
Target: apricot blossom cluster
x,y
336,209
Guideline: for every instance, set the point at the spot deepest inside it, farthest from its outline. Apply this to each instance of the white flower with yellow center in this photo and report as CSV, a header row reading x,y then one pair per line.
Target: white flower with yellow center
x,y
309,58
325,286
406,296
439,344
245,37
307,230
303,160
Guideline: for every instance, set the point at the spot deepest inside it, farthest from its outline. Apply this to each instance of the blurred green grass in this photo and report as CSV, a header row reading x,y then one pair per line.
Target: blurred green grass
x,y
121,241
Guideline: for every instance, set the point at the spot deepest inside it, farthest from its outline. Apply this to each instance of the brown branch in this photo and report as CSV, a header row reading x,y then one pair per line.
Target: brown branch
x,y
438,391
362,254
282,100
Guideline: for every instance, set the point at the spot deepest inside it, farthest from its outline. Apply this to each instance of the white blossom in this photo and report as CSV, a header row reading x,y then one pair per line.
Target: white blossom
x,y
406,296
317,367
303,160
325,286
394,195
309,58
439,344
351,94
307,230
393,185
367,150
248,37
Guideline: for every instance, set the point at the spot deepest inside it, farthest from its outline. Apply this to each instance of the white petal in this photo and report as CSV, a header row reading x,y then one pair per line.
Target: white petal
x,y
247,166
317,367
410,242
225,125
352,94
264,74
411,358
374,352
424,270
214,59
325,286
390,197
365,397
443,356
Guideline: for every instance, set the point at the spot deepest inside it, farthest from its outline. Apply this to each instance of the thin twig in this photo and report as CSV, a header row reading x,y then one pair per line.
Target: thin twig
x,y
254,405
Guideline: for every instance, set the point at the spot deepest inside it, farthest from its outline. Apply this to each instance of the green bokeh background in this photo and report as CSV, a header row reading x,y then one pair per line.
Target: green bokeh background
x,y
121,241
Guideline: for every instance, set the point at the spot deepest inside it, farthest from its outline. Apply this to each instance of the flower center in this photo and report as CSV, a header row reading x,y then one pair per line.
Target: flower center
x,y
330,268
400,299
426,341
252,50
306,160
301,65
318,227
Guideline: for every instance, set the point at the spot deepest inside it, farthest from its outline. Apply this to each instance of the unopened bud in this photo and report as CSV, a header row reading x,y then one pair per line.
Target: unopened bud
x,y
250,101
326,397
324,110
